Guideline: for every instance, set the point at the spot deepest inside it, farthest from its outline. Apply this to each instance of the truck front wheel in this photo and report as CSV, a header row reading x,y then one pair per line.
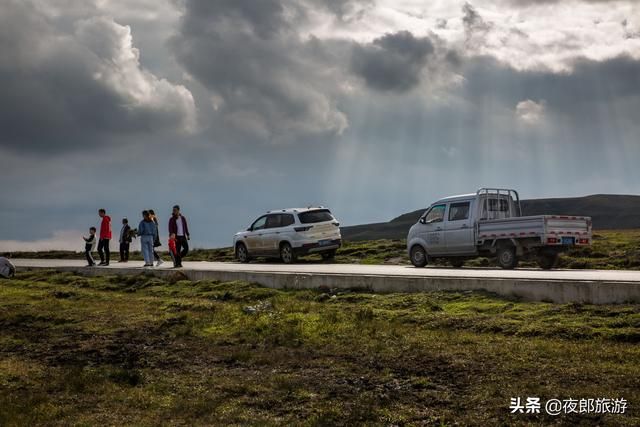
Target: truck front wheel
x,y
418,256
507,258
547,260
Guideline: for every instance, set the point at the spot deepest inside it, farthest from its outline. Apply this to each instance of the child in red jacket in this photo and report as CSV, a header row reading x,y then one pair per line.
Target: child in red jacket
x,y
173,249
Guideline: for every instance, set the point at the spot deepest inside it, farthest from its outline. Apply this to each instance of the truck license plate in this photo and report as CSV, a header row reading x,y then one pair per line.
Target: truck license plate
x,y
324,242
568,240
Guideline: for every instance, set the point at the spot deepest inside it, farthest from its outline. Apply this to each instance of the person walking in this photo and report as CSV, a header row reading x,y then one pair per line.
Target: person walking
x,y
105,237
147,231
156,243
178,226
125,240
90,246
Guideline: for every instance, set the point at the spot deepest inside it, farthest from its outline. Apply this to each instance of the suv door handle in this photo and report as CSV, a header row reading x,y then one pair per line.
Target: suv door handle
x,y
439,229
465,226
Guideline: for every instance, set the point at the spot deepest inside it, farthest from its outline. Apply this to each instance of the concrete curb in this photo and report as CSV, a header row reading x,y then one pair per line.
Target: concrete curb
x,y
556,291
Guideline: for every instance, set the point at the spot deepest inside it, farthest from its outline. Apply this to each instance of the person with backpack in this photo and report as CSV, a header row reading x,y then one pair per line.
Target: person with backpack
x,y
105,237
147,231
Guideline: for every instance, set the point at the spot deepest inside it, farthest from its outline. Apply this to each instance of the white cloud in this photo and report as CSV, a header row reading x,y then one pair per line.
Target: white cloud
x,y
530,112
548,35
118,67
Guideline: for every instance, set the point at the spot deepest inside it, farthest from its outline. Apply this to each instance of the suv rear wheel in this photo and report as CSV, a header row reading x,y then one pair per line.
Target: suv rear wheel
x,y
286,253
418,256
507,258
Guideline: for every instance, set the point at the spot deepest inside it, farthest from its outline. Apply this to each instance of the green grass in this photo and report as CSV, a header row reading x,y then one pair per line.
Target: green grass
x,y
140,350
610,250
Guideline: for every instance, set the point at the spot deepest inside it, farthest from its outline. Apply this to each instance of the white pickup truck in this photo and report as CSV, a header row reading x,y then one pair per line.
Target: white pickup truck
x,y
490,224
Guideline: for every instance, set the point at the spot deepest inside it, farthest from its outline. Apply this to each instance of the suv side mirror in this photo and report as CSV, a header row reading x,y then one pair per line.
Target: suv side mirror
x,y
422,220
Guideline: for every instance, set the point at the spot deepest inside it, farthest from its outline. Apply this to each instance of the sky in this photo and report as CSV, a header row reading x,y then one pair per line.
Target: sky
x,y
372,108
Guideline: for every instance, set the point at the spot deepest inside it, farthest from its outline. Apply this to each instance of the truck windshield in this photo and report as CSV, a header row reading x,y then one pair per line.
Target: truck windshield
x,y
436,214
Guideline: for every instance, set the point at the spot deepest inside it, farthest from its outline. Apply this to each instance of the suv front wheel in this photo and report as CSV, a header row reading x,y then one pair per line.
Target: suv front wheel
x,y
286,253
241,253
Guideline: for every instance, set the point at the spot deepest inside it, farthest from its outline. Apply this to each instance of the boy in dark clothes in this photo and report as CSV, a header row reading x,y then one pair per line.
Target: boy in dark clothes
x,y
89,246
125,240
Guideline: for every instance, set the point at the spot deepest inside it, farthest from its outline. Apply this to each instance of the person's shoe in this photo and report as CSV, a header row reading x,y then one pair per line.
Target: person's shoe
x,y
106,264
160,262
121,260
102,263
90,265
148,265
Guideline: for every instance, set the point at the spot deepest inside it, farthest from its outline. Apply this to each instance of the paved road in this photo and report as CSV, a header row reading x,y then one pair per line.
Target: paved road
x,y
372,270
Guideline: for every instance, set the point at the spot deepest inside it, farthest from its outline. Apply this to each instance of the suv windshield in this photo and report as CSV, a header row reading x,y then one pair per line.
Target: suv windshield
x,y
311,217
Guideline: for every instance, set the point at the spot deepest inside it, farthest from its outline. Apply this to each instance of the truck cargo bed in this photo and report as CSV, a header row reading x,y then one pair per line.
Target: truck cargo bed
x,y
534,226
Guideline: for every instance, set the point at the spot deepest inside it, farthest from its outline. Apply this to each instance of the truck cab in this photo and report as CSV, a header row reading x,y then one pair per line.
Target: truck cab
x,y
490,223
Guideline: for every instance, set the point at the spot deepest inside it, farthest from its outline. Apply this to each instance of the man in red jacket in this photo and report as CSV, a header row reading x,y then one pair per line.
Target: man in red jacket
x,y
105,237
178,226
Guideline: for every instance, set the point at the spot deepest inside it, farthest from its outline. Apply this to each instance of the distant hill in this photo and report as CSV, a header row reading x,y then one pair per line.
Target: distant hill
x,y
608,211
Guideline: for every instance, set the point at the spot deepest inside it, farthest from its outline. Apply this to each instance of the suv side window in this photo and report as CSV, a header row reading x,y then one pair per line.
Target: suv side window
x,y
287,220
273,221
259,223
459,211
436,214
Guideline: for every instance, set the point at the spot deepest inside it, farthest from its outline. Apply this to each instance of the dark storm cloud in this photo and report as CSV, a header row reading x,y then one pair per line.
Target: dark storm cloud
x,y
347,10
264,18
61,91
265,79
393,62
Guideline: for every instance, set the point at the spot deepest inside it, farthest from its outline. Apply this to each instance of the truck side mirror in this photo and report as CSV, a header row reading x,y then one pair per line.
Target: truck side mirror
x,y
422,220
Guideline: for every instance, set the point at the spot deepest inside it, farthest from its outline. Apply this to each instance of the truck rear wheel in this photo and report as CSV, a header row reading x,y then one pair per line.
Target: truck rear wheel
x,y
507,258
547,260
418,256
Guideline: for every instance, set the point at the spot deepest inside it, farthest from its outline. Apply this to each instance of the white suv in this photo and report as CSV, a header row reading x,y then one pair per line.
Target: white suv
x,y
288,233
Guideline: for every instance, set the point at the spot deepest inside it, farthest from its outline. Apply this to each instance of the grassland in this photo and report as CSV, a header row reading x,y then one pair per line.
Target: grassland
x,y
141,350
618,249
